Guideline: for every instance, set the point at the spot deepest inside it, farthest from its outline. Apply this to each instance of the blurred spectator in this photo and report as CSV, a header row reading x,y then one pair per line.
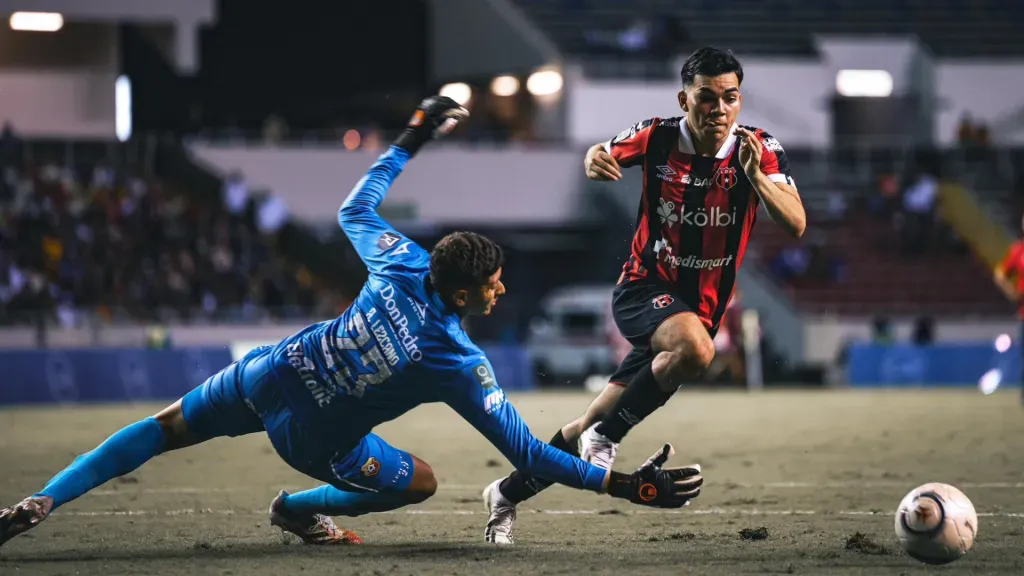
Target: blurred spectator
x,y
10,146
809,259
272,215
275,129
792,262
965,130
236,194
919,212
971,134
637,37
158,338
881,331
836,208
924,331
886,202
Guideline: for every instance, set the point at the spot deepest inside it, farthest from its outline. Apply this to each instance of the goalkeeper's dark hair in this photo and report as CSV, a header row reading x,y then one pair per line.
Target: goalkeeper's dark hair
x,y
710,61
463,260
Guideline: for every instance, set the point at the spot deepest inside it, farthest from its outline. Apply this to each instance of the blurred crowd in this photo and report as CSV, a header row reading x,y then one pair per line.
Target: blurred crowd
x,y
97,242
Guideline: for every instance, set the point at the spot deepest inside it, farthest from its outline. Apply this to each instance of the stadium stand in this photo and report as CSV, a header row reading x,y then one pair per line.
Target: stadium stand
x,y
781,27
86,230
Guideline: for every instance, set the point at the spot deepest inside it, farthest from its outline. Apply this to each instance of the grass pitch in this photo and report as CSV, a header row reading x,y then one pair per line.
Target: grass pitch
x,y
796,483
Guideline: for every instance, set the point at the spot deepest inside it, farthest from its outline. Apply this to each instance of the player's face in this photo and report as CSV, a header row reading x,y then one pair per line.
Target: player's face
x,y
712,104
482,299
488,294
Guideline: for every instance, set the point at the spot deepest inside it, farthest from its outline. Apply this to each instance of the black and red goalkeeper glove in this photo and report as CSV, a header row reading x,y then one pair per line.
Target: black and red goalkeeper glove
x,y
435,117
652,485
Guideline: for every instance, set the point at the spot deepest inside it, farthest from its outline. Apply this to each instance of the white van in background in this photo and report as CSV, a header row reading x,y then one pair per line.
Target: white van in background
x,y
571,338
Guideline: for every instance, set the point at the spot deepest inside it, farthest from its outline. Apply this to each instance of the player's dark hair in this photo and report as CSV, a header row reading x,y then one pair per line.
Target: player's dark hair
x,y
463,260
710,61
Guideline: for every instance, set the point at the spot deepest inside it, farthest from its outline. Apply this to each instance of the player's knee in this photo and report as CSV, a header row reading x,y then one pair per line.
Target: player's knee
x,y
175,429
687,359
424,483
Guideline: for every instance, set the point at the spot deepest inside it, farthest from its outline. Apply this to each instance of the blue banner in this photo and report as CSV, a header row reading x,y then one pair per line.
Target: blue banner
x,y
135,374
945,364
105,375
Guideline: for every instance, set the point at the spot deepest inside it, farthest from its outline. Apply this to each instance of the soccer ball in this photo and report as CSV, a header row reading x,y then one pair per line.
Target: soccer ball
x,y
936,523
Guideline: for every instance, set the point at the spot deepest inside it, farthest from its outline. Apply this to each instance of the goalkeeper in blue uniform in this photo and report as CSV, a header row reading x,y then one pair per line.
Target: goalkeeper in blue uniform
x,y
319,393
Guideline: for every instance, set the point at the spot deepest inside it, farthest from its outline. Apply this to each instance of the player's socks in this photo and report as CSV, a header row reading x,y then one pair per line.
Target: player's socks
x,y
126,450
641,398
330,501
520,487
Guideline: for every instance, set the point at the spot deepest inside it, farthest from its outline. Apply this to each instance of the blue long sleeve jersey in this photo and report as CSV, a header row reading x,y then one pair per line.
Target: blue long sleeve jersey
x,y
399,346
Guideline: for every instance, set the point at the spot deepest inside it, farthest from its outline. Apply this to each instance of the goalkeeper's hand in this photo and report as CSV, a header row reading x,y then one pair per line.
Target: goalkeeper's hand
x,y
435,117
652,485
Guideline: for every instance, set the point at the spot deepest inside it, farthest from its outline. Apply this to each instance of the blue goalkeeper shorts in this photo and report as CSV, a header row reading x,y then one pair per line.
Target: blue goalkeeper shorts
x,y
244,398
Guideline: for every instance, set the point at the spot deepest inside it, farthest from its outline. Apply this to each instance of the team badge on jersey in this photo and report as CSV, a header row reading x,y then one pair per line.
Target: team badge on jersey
x,y
726,177
371,468
663,301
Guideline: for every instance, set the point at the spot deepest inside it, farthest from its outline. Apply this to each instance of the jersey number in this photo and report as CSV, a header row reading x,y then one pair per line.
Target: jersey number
x,y
371,357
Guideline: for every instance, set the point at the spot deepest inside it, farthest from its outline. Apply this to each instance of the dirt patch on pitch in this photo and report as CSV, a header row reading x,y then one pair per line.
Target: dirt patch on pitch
x,y
863,544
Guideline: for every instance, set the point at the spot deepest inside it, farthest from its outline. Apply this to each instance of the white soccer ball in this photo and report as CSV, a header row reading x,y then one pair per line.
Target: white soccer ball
x,y
936,523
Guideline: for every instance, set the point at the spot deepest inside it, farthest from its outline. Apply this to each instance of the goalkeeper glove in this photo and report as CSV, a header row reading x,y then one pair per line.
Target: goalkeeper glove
x,y
435,117
652,485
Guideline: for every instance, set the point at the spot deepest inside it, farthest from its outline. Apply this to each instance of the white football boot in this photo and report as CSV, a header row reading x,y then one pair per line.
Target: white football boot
x,y
502,515
597,449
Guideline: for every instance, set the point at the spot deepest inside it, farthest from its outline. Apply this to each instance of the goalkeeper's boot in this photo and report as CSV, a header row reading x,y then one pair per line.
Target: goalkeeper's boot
x,y
23,516
597,449
502,515
311,528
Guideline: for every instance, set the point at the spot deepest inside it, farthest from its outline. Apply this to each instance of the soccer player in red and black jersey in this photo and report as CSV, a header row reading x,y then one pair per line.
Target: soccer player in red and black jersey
x,y
705,177
1009,276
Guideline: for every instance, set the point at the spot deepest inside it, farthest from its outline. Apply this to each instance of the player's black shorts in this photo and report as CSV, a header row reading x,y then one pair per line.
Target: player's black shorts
x,y
639,307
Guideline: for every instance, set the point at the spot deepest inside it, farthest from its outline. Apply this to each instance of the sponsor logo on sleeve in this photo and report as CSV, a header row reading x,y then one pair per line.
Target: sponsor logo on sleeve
x,y
772,144
494,401
484,376
388,240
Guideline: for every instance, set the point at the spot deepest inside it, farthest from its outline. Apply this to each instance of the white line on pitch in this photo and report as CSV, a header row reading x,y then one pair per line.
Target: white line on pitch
x,y
183,490
908,484
698,512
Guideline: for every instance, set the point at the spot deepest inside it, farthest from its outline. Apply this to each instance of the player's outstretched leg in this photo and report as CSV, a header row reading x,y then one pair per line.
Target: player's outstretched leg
x,y
502,496
123,452
214,408
374,477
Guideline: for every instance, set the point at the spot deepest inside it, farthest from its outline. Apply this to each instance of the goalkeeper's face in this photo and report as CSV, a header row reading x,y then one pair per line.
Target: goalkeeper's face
x,y
480,299
712,104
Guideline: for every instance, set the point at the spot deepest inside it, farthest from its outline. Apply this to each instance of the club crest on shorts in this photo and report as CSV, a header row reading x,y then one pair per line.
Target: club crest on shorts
x,y
371,468
726,177
662,301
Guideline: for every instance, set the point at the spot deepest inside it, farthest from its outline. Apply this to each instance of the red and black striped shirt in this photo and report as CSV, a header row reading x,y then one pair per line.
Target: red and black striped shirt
x,y
696,212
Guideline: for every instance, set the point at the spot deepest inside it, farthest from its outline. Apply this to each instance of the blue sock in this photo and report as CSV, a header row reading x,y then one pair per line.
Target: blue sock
x,y
330,501
126,450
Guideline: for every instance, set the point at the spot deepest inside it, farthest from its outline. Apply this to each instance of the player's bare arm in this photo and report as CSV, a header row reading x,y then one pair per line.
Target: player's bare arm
x,y
1002,280
601,165
781,200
